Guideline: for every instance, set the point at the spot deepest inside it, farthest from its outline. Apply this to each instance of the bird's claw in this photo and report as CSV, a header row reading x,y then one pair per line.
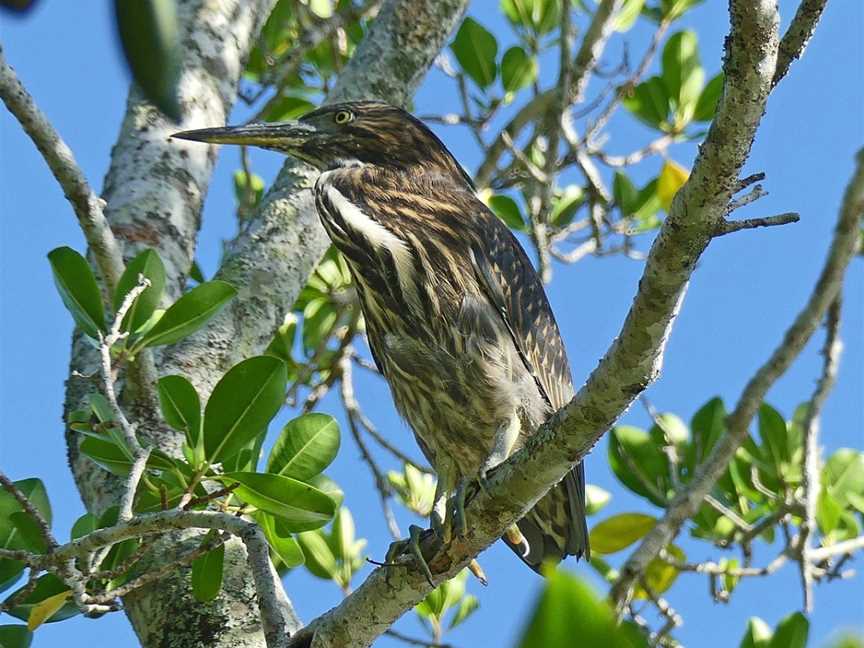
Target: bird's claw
x,y
413,546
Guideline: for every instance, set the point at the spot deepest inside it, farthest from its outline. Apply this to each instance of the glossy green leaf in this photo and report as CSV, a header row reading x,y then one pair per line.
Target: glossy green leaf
x,y
843,475
282,345
508,211
518,69
242,404
306,446
116,459
791,632
476,50
707,426
207,574
706,107
537,16
674,9
568,608
78,289
47,586
299,506
28,532
682,74
46,608
15,636
619,532
148,264
85,524
329,487
757,635
638,463
319,318
772,431
659,574
10,531
284,545
181,407
625,193
149,34
566,205
189,313
649,103
320,560
628,14
467,606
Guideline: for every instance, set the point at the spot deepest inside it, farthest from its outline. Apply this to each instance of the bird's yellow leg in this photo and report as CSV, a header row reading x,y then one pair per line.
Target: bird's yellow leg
x,y
505,439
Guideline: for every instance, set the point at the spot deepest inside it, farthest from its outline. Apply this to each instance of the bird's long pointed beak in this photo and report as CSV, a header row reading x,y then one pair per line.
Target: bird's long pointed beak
x,y
283,134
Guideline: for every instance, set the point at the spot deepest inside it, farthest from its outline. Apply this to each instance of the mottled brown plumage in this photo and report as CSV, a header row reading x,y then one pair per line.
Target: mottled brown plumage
x,y
457,318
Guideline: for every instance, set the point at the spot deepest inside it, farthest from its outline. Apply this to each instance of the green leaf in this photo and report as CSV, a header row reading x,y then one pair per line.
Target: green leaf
x,y
195,272
650,103
638,463
566,205
843,475
181,407
467,606
625,193
320,560
537,16
29,532
507,210
207,574
619,532
628,14
659,574
78,289
117,459
791,632
518,69
476,49
285,546
757,635
282,344
299,506
288,107
568,608
46,608
596,499
148,264
706,107
85,524
329,487
189,313
47,586
306,446
674,9
242,404
772,431
319,318
248,193
707,426
149,34
15,636
682,75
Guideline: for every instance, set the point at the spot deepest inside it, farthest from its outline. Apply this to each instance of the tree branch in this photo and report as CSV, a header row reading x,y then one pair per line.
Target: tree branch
x,y
86,204
810,478
688,501
797,36
727,227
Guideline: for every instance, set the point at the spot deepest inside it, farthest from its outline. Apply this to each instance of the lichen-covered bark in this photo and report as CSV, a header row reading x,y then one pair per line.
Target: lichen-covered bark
x,y
154,190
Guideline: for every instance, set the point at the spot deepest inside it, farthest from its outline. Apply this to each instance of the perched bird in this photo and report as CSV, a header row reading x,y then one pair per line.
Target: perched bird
x,y
456,316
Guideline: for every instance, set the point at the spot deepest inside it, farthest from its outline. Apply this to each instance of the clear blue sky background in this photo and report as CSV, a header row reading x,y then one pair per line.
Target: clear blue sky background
x,y
744,294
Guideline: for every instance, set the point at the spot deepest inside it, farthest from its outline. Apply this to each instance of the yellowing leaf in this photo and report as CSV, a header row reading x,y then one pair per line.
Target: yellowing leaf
x,y
619,531
43,610
672,178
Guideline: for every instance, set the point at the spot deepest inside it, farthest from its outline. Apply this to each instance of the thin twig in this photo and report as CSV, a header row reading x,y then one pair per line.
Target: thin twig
x,y
810,479
797,35
728,227
87,205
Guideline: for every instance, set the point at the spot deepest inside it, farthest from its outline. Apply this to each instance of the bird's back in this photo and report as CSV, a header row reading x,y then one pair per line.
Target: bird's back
x,y
460,325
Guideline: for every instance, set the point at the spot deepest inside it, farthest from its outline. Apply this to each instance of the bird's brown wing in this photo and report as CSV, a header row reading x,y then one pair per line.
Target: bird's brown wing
x,y
556,526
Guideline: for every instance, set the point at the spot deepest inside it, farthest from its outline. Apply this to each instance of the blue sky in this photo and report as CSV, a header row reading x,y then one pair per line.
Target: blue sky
x,y
745,292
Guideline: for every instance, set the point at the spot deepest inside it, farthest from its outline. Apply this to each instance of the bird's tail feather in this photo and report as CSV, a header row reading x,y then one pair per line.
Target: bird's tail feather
x,y
556,527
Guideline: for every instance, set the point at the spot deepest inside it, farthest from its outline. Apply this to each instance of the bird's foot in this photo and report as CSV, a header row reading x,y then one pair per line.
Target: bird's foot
x,y
414,545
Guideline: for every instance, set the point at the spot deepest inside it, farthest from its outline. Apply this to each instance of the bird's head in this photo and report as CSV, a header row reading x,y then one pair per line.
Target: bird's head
x,y
344,135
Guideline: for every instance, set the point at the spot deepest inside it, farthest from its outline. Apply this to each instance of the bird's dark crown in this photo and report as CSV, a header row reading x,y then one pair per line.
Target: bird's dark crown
x,y
348,134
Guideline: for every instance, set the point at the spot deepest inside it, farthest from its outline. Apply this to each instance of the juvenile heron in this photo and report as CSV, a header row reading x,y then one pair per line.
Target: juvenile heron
x,y
456,316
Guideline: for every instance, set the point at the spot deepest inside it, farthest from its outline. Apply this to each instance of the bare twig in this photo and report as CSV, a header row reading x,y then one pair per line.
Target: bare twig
x,y
727,227
87,205
810,478
750,197
838,549
352,409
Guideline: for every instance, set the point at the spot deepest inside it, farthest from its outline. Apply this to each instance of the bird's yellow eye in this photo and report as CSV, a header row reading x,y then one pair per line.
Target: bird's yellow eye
x,y
343,117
